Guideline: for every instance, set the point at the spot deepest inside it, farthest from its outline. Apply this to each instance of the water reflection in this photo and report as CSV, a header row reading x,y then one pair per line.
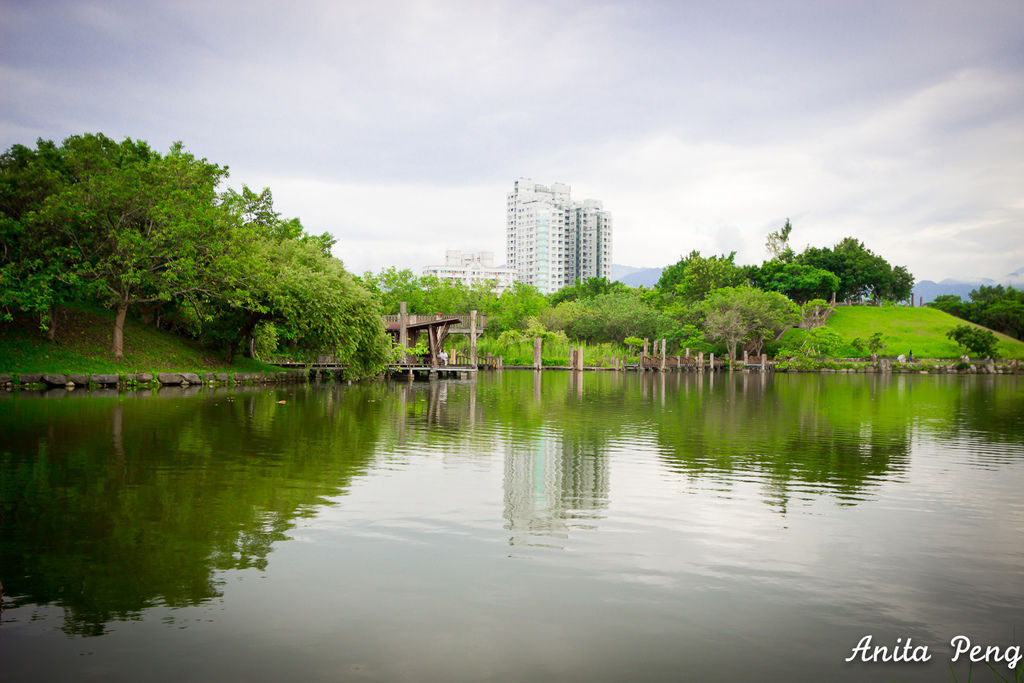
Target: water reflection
x,y
111,504
551,485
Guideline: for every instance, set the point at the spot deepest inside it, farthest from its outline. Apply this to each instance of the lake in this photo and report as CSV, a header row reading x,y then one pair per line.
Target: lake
x,y
521,526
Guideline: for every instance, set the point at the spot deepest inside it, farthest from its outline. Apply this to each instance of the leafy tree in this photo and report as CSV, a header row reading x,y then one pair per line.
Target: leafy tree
x,y
393,286
862,274
873,345
950,303
998,307
34,277
564,315
777,244
975,340
800,282
704,275
821,342
735,315
692,277
515,305
615,316
586,289
143,227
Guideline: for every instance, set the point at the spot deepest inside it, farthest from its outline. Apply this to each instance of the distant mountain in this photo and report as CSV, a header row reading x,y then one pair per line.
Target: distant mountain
x,y
635,277
619,271
927,290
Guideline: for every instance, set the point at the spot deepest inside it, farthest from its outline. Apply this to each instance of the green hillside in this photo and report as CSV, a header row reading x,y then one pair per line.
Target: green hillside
x,y
905,329
83,346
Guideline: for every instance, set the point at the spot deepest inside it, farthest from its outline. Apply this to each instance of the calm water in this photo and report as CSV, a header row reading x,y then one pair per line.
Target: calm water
x,y
521,527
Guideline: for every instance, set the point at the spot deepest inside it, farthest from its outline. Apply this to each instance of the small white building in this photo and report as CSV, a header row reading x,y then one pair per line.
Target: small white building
x,y
470,267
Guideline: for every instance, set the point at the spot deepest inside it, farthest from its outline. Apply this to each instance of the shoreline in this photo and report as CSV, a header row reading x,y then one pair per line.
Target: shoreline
x,y
51,382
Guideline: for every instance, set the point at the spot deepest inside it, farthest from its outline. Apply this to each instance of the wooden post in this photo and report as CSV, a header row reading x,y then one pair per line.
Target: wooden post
x,y
579,358
764,362
700,361
687,351
643,355
662,365
537,362
679,362
712,364
501,362
745,357
472,338
403,329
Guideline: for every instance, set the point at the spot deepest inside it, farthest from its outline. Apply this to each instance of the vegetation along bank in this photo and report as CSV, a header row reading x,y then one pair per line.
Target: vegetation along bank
x,y
120,260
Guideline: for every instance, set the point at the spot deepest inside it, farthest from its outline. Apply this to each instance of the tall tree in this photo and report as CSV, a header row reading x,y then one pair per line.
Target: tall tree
x,y
777,243
862,274
34,277
144,227
799,282
735,315
692,277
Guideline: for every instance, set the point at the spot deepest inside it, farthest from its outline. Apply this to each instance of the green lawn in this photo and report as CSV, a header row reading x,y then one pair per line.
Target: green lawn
x,y
83,346
905,329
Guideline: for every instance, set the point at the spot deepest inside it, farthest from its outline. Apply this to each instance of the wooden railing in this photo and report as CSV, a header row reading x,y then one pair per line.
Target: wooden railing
x,y
461,328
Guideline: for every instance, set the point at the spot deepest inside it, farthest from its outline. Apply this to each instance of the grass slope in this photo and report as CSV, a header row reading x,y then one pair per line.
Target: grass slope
x,y
905,329
83,346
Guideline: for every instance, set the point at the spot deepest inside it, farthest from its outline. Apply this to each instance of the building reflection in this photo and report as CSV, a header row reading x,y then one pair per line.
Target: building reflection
x,y
552,485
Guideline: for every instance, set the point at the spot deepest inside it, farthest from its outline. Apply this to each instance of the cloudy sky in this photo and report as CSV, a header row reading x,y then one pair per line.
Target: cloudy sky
x,y
400,126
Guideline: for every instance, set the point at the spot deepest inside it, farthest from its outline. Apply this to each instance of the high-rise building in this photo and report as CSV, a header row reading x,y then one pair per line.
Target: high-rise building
x,y
553,241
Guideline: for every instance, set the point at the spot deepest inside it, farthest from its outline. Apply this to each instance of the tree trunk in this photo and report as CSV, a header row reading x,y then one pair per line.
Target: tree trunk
x,y
118,335
243,333
51,330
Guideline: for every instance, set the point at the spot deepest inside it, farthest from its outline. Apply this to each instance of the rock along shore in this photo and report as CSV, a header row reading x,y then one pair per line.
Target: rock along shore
x,y
146,379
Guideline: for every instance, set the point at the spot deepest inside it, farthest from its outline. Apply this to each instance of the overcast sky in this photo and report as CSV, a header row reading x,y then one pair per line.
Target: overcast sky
x,y
400,126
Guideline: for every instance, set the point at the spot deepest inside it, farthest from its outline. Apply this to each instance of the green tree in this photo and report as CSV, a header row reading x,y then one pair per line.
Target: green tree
x,y
950,303
873,345
821,342
975,340
617,315
800,282
34,273
515,305
862,274
393,286
704,275
144,227
735,315
777,244
586,289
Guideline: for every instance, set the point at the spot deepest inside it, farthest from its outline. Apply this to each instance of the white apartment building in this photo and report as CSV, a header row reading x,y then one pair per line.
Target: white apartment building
x,y
470,267
553,241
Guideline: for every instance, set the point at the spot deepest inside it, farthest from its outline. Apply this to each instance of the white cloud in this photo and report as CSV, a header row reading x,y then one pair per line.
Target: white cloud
x,y
399,126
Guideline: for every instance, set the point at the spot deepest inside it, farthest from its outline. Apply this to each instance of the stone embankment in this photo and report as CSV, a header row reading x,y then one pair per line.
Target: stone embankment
x,y
887,366
146,379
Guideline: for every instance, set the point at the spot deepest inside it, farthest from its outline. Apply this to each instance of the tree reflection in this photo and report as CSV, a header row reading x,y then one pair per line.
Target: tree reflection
x,y
110,506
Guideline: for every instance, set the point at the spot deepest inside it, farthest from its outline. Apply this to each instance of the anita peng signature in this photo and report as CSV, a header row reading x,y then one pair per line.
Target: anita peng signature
x,y
909,652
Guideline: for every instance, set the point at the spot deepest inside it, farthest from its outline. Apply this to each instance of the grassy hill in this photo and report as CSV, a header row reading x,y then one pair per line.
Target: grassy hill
x,y
83,346
905,329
